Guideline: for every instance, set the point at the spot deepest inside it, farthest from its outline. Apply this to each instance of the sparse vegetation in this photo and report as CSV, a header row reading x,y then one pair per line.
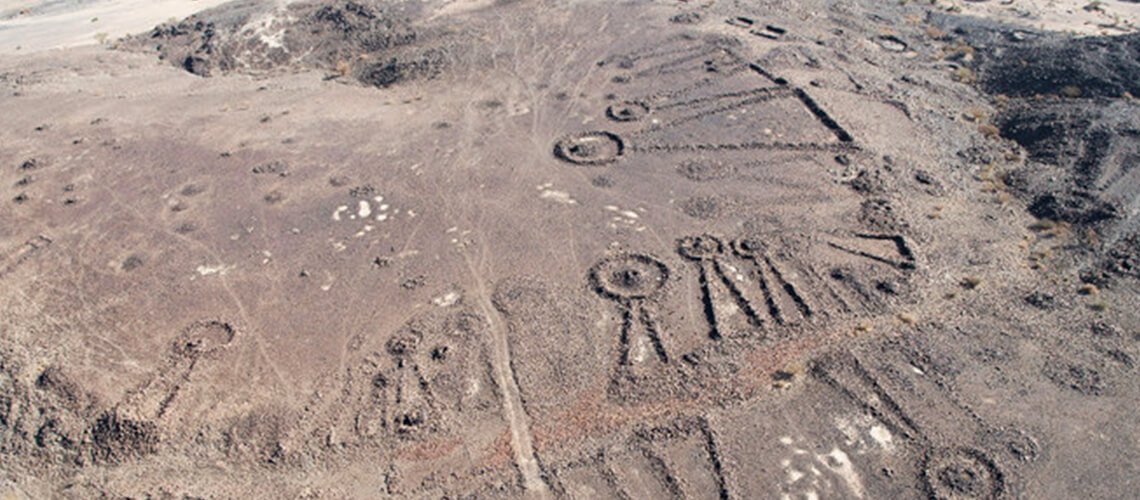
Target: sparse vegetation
x,y
1040,255
907,318
1042,225
971,282
992,181
1047,229
989,130
783,378
341,69
935,33
964,74
959,49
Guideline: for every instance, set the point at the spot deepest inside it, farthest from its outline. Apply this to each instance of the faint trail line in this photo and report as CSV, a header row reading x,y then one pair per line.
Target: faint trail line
x,y
259,340
472,212
521,441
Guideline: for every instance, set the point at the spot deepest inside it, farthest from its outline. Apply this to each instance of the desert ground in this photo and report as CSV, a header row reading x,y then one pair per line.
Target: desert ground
x,y
584,249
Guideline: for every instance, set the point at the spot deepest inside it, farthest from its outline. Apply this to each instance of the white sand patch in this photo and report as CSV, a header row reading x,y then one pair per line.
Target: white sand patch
x,y
558,196
734,271
865,434
1085,17
460,6
461,240
50,25
263,29
624,218
808,474
447,300
882,436
840,464
794,475
382,210
518,109
641,350
364,230
211,270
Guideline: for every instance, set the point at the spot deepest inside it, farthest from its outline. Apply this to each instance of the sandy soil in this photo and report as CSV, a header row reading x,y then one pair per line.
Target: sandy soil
x,y
1111,17
27,26
584,250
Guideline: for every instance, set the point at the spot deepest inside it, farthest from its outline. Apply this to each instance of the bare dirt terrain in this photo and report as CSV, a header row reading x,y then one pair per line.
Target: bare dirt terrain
x,y
649,249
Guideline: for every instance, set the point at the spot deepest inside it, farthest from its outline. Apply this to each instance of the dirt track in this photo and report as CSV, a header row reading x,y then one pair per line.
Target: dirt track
x,y
648,250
